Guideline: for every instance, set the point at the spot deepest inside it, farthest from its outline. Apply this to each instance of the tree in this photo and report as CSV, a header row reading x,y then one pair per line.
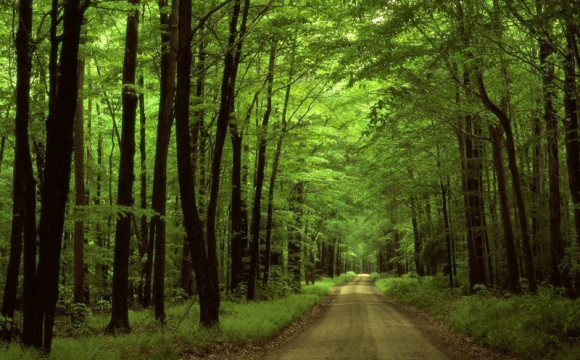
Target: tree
x,y
120,312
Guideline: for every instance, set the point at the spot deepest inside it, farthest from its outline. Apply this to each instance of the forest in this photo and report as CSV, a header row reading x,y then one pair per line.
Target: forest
x,y
177,175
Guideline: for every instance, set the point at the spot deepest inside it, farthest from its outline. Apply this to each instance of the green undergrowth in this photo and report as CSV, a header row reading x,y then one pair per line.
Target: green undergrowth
x,y
544,326
324,286
239,322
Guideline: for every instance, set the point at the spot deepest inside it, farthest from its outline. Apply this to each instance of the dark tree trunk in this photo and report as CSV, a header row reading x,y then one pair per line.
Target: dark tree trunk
x,y
239,228
444,209
80,193
295,239
143,246
516,180
571,127
417,236
512,259
268,256
331,260
557,247
256,210
204,259
120,312
59,145
239,215
165,121
470,150
185,279
24,188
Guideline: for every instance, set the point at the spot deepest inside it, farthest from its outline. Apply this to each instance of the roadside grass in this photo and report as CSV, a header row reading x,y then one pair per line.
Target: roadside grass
x,y
545,326
324,287
239,322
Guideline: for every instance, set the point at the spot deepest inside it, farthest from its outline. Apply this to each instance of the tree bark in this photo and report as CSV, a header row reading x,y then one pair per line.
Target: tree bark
x,y
295,239
120,312
80,192
24,188
516,180
165,121
417,236
256,210
571,128
59,144
144,245
512,259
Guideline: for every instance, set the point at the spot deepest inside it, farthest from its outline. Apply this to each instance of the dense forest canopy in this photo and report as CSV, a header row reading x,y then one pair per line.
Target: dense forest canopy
x,y
157,151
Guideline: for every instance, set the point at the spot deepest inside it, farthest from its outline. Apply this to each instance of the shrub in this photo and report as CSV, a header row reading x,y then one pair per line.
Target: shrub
x,y
545,326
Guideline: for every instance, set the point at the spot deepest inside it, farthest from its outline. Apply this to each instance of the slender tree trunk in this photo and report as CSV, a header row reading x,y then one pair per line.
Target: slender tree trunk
x,y
557,246
256,210
516,181
80,196
445,221
59,144
295,239
204,259
417,236
512,261
24,188
571,127
120,312
159,200
239,214
143,246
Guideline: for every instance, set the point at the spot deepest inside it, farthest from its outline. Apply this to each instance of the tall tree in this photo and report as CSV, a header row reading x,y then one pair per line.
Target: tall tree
x,y
24,185
120,312
80,191
165,121
256,209
59,145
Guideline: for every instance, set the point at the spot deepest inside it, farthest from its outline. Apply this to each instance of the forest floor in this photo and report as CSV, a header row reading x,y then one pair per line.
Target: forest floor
x,y
357,322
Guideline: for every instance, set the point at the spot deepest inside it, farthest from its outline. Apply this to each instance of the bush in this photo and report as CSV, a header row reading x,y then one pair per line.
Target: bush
x,y
239,321
545,326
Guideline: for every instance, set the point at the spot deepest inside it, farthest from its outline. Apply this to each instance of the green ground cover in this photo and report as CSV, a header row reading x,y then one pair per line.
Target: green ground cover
x,y
543,326
239,322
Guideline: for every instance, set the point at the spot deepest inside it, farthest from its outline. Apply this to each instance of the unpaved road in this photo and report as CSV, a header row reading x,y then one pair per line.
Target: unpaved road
x,y
359,324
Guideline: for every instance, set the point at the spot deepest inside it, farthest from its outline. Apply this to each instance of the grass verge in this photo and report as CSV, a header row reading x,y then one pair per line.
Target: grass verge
x,y
239,322
545,326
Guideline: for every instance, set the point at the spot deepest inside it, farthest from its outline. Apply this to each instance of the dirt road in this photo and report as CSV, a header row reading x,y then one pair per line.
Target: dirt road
x,y
359,324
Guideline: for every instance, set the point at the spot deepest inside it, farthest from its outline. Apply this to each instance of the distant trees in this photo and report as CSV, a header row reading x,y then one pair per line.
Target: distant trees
x,y
491,100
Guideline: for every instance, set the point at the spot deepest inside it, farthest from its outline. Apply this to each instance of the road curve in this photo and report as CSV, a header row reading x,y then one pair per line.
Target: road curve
x,y
359,324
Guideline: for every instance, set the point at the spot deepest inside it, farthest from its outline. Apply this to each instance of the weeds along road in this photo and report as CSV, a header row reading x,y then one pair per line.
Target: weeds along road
x,y
359,324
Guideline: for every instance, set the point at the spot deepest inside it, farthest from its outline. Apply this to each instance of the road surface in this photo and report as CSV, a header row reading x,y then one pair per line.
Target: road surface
x,y
359,324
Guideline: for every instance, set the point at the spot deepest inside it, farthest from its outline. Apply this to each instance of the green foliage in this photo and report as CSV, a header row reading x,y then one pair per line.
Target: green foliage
x,y
324,287
545,326
6,324
239,322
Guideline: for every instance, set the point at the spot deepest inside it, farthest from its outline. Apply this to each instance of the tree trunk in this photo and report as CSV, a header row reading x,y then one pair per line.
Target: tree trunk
x,y
143,246
295,239
59,144
417,236
24,188
165,121
571,127
256,210
516,180
239,215
120,312
444,209
80,196
512,260
204,259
